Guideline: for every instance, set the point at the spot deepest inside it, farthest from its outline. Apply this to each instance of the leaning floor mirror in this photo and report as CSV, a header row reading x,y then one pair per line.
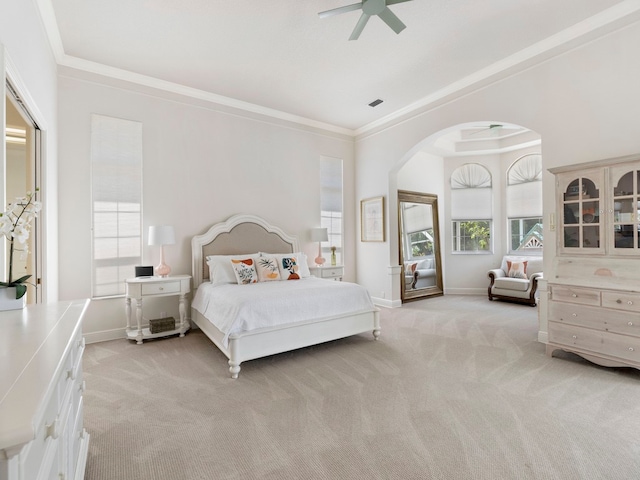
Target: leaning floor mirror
x,y
419,245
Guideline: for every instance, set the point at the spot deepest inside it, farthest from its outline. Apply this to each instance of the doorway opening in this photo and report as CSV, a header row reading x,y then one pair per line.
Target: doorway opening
x,y
23,143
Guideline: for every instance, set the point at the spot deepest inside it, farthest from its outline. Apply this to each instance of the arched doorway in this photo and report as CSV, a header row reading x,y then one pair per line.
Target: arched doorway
x,y
428,168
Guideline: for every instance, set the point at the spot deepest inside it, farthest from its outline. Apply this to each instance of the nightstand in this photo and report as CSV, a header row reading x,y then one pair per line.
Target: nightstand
x,y
148,287
334,271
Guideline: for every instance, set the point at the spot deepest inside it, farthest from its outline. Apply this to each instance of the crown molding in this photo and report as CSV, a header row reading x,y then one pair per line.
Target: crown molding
x,y
605,22
611,19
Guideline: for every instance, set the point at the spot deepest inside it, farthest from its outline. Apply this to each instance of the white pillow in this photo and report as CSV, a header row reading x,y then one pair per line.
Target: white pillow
x,y
301,261
221,270
424,264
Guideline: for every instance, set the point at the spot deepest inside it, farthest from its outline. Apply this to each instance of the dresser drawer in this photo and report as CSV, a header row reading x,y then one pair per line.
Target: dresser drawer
x,y
596,342
627,301
160,288
37,457
583,296
595,317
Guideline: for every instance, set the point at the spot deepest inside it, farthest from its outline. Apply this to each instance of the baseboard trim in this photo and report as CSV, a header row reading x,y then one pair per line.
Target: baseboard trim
x,y
105,335
383,302
543,337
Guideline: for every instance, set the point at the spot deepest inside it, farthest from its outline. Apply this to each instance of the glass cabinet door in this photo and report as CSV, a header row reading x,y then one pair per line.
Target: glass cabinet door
x,y
625,211
581,213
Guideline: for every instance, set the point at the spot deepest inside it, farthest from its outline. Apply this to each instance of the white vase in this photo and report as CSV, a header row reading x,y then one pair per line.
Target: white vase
x,y
8,300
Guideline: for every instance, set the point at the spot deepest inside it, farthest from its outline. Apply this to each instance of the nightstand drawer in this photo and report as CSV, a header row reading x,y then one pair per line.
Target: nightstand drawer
x,y
331,272
161,288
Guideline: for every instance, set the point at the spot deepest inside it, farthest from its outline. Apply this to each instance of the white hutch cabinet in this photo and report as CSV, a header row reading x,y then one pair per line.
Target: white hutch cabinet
x,y
41,429
592,306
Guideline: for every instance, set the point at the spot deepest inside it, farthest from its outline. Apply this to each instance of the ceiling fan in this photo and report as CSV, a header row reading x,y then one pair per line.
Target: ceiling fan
x,y
369,8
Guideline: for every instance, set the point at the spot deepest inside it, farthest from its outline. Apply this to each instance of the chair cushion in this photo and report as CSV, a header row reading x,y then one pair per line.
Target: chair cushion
x,y
508,283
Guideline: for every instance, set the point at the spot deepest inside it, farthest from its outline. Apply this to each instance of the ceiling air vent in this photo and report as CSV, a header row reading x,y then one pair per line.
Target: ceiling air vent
x,y
375,103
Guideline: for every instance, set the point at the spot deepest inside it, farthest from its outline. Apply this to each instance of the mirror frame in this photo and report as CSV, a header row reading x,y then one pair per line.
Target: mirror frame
x,y
427,199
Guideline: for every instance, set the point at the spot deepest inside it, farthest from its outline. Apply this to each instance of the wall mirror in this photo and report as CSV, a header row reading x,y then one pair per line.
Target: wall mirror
x,y
419,245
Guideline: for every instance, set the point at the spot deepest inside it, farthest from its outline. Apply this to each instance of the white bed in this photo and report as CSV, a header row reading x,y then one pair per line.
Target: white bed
x,y
242,234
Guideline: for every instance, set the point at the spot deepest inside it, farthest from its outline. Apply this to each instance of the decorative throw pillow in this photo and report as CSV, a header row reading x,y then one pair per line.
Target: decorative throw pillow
x,y
245,270
517,269
301,261
267,269
288,268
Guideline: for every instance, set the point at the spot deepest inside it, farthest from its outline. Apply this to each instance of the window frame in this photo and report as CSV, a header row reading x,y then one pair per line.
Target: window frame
x,y
455,237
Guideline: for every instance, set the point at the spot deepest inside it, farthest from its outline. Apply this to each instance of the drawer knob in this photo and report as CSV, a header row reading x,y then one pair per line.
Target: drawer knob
x,y
629,302
574,295
575,336
630,324
631,349
574,314
160,288
618,301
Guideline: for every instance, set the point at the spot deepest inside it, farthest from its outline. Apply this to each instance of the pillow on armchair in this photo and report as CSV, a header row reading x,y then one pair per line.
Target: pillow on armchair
x,y
517,269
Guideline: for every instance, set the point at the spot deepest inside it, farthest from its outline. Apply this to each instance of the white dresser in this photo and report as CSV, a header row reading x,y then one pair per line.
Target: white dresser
x,y
41,430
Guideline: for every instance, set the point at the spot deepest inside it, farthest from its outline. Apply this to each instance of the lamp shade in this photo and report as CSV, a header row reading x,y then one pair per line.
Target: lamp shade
x,y
319,235
162,235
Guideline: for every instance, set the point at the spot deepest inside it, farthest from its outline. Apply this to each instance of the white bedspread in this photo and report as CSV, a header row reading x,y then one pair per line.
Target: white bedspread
x,y
240,308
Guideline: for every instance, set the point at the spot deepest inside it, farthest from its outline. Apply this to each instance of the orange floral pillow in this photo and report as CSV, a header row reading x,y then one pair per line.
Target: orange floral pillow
x,y
245,270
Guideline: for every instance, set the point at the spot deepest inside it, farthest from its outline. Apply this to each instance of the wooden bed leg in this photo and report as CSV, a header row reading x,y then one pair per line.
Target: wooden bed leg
x,y
234,368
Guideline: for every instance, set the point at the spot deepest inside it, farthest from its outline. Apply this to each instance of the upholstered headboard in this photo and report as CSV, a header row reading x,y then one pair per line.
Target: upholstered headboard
x,y
240,234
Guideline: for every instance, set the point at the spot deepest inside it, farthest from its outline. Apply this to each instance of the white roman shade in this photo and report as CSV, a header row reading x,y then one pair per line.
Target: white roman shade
x,y
331,184
471,193
524,187
417,217
116,191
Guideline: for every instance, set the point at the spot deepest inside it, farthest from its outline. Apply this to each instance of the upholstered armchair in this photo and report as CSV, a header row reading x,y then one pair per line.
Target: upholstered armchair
x,y
516,280
420,273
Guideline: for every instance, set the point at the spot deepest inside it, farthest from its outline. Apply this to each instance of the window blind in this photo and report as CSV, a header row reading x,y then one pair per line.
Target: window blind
x,y
331,204
116,190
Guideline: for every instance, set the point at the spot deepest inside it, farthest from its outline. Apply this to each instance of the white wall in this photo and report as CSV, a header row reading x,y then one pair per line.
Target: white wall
x,y
583,104
31,67
200,166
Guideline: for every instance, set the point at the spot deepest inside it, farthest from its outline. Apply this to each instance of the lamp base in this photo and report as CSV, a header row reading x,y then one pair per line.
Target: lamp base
x,y
319,261
163,270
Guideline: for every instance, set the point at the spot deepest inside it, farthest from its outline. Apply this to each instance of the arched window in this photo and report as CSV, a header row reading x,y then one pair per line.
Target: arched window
x,y
524,204
471,211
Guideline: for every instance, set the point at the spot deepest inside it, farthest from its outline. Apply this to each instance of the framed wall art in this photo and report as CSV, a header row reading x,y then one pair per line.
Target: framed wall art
x,y
372,219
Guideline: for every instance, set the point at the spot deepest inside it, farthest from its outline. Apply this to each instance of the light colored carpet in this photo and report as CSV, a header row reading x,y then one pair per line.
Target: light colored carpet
x,y
457,387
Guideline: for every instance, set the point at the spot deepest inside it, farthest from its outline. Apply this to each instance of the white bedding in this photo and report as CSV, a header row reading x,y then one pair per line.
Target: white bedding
x,y
239,308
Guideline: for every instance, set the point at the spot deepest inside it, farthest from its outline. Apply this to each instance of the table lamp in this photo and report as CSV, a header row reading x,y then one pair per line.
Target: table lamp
x,y
319,235
162,235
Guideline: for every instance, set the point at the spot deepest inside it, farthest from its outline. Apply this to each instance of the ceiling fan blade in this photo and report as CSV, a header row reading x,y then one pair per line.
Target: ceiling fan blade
x,y
339,10
364,18
393,2
390,19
